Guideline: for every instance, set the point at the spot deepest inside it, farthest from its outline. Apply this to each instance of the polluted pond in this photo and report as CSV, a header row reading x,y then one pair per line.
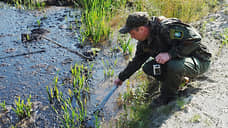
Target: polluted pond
x,y
47,77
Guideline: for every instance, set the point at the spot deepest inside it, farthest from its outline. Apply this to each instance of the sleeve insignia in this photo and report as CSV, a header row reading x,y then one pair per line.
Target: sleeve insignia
x,y
176,34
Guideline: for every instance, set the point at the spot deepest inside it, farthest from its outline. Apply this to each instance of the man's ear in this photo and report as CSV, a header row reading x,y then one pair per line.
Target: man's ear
x,y
141,28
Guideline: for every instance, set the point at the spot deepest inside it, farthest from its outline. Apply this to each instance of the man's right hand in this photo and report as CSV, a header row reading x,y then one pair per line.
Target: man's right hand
x,y
162,58
118,82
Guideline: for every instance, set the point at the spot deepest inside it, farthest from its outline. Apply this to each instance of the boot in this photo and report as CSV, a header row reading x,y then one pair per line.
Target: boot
x,y
162,100
153,86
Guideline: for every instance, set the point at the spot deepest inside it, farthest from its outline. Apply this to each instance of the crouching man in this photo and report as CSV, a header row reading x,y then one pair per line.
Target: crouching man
x,y
175,49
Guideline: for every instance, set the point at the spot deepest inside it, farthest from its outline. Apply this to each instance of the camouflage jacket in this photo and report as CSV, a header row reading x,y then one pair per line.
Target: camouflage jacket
x,y
171,35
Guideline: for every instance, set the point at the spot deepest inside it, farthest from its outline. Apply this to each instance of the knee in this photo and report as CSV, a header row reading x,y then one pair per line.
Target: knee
x,y
172,67
147,68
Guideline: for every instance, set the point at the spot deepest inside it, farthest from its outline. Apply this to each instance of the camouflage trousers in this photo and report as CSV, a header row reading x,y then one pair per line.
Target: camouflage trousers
x,y
174,70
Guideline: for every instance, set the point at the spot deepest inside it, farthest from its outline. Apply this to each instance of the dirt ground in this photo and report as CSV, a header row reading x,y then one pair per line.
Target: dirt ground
x,y
208,106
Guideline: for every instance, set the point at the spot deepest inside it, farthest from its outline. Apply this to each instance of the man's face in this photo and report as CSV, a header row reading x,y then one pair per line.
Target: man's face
x,y
138,33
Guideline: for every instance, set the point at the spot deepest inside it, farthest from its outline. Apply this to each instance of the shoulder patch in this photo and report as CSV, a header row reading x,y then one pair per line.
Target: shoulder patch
x,y
176,34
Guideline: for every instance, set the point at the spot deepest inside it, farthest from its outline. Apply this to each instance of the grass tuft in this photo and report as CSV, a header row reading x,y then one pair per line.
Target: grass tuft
x,y
225,37
23,109
3,105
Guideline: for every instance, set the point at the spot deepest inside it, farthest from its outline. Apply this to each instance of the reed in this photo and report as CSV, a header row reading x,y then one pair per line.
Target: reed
x,y
95,19
70,115
108,68
73,105
80,89
54,95
28,4
99,15
38,23
126,45
80,74
3,105
186,10
23,109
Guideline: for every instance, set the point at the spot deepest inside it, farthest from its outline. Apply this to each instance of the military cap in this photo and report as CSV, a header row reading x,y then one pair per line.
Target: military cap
x,y
135,20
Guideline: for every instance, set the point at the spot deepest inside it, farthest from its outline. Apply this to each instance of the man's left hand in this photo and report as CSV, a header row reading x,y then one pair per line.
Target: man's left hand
x,y
162,58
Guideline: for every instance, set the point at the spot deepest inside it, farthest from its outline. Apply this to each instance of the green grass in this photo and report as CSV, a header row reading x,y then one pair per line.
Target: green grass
x,y
203,28
99,16
53,93
72,114
23,109
38,22
180,103
3,105
108,67
225,37
80,74
125,45
95,18
196,118
28,4
224,40
187,11
136,105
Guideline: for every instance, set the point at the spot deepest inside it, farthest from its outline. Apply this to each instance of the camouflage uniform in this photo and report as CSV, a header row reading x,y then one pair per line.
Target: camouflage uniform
x,y
188,56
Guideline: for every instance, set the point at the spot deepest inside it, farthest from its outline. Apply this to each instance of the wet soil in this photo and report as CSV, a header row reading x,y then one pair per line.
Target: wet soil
x,y
28,71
